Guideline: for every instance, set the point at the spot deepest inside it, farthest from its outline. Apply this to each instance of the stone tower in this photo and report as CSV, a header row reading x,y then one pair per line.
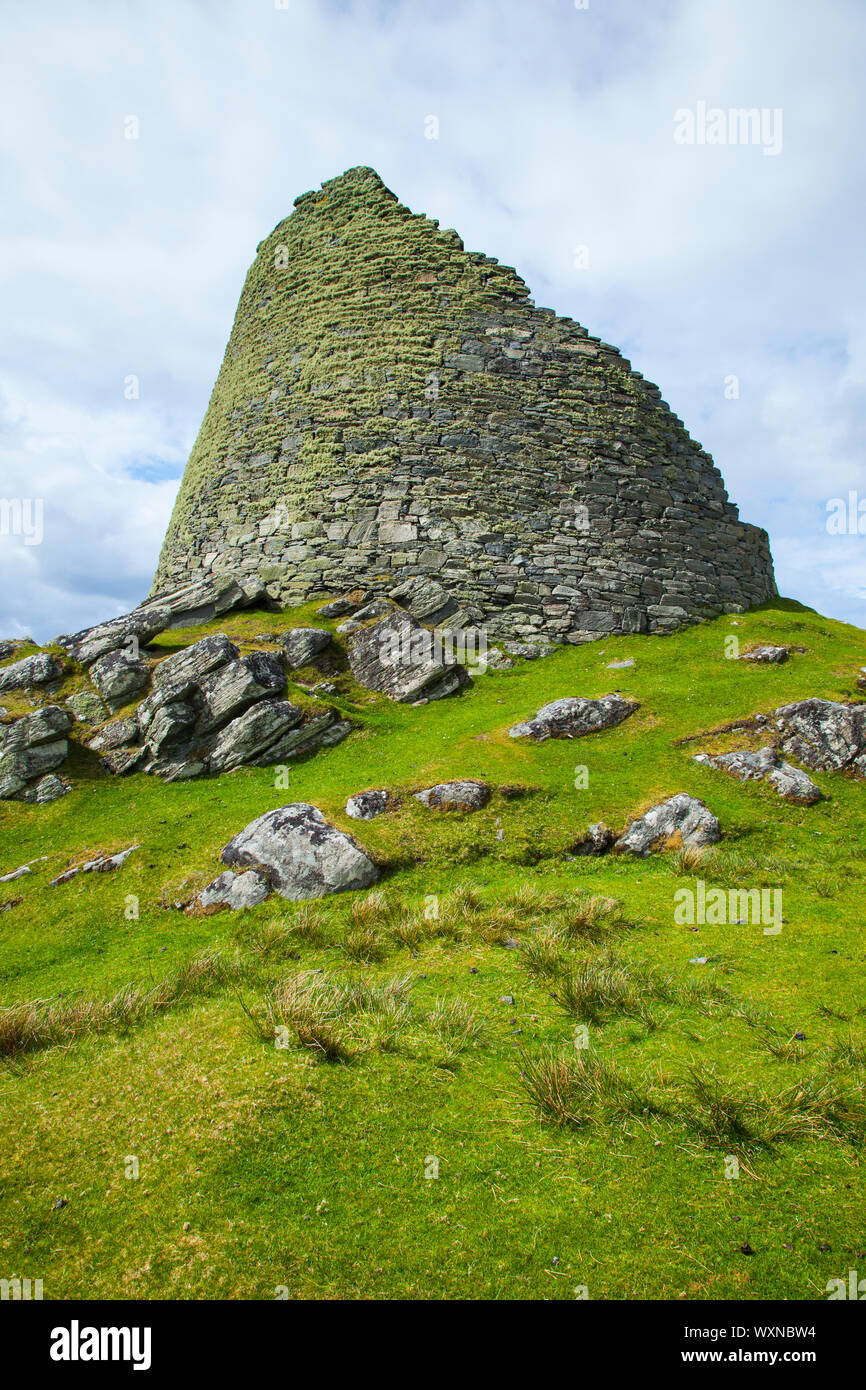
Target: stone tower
x,y
394,412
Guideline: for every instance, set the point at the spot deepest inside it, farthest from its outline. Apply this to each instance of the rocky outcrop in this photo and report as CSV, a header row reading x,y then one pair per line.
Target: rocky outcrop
x,y
119,676
208,597
211,710
765,765
824,734
300,854
368,805
101,864
302,644
31,670
573,717
30,748
395,656
772,656
682,819
130,631
455,796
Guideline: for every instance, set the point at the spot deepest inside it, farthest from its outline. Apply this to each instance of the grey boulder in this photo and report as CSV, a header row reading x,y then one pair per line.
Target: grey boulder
x,y
367,805
773,656
681,817
574,717
129,631
791,783
447,796
302,644
191,663
118,676
228,690
824,734
397,657
235,891
31,670
300,854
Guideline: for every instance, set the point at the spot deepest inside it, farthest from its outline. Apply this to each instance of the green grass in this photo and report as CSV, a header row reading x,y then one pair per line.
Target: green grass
x,y
305,1158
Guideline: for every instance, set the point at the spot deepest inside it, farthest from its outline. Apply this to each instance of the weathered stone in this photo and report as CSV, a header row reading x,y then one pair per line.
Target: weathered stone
x,y
236,891
824,734
461,796
789,782
206,598
770,655
30,748
367,805
31,670
87,706
47,789
397,657
682,819
529,651
121,761
300,854
339,607
254,732
573,717
191,663
118,676
129,631
102,864
301,644
114,735
597,840
227,691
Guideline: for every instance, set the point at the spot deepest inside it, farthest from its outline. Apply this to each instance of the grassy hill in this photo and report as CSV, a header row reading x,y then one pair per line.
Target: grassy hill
x,y
439,1033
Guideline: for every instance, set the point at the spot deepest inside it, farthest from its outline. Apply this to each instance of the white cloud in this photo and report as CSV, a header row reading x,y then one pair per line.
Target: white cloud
x,y
555,127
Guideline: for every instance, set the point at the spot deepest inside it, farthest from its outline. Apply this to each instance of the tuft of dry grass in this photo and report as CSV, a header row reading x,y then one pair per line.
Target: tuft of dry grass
x,y
39,1023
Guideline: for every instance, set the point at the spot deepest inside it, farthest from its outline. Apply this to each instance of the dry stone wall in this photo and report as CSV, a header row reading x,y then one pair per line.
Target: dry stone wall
x,y
391,406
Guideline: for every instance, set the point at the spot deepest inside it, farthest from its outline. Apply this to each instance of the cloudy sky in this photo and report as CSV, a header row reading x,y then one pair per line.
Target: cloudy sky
x,y
731,276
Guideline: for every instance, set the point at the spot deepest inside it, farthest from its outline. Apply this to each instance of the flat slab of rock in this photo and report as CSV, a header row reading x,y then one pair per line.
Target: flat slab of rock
x,y
347,603
116,734
31,670
573,717
681,818
530,651
300,854
425,599
103,864
302,644
773,656
225,692
191,663
824,734
206,599
367,805
397,657
128,631
236,891
254,732
118,676
765,765
457,796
